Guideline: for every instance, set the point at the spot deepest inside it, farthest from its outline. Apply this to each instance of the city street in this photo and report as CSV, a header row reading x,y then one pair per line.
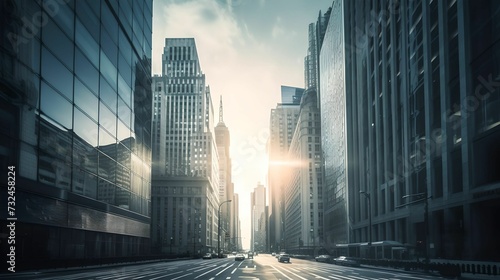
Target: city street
x,y
263,267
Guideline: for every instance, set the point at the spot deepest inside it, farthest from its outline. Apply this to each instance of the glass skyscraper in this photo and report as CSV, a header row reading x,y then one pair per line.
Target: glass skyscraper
x,y
75,84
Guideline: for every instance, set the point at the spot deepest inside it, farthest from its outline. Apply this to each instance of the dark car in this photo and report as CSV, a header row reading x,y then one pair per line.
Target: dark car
x,y
207,256
239,257
250,255
323,258
342,260
284,258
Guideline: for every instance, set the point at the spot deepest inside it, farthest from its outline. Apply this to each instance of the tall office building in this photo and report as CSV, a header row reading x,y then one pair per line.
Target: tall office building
x,y
282,126
226,187
236,238
316,33
259,219
75,82
408,119
303,191
185,189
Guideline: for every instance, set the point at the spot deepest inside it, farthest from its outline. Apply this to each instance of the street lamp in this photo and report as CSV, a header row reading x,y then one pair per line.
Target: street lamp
x,y
367,195
218,228
171,240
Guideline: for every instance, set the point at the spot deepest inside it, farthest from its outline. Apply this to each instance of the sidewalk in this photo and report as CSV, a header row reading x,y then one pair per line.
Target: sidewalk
x,y
470,276
465,276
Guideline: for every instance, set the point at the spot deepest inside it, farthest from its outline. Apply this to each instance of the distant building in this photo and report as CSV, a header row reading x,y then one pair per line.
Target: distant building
x,y
259,219
226,187
282,126
408,118
185,189
75,115
303,189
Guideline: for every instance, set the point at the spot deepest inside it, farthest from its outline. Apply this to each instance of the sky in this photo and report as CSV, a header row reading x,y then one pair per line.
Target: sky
x,y
247,50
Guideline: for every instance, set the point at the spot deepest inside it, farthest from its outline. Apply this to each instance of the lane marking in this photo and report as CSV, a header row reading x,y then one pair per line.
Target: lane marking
x,y
223,270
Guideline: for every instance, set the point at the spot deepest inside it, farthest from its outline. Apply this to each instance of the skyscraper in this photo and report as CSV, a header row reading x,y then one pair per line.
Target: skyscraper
x,y
185,162
407,119
282,126
226,188
76,105
303,186
259,219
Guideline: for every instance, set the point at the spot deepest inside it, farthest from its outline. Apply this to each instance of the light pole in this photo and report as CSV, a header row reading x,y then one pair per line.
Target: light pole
x,y
218,228
171,240
367,195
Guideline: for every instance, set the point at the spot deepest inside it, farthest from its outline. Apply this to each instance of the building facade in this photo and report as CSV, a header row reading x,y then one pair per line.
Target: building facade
x,y
185,157
417,81
76,106
303,191
282,126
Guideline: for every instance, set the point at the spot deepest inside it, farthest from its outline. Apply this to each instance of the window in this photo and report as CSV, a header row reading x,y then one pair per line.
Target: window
x,y
55,106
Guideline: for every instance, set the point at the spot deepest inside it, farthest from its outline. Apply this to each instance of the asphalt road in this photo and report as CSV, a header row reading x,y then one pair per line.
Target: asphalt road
x,y
262,267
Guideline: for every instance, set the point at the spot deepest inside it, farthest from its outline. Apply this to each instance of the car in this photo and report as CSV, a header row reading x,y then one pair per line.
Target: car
x,y
273,254
284,258
207,256
239,257
250,255
347,261
323,258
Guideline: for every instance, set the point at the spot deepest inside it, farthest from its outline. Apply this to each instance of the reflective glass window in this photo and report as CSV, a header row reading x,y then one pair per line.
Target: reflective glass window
x,y
107,119
55,106
63,15
122,198
124,90
84,154
58,43
88,17
84,183
126,13
107,143
86,100
109,47
124,68
85,128
123,132
87,73
109,21
87,43
107,168
108,95
125,47
108,70
122,176
56,74
124,112
53,171
106,192
55,141
31,54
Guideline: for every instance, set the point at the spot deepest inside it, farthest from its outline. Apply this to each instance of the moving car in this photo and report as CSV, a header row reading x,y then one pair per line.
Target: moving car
x,y
284,258
239,257
250,255
342,260
273,254
207,256
323,258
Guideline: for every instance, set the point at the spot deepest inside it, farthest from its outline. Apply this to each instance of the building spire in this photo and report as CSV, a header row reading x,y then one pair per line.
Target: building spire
x,y
221,120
